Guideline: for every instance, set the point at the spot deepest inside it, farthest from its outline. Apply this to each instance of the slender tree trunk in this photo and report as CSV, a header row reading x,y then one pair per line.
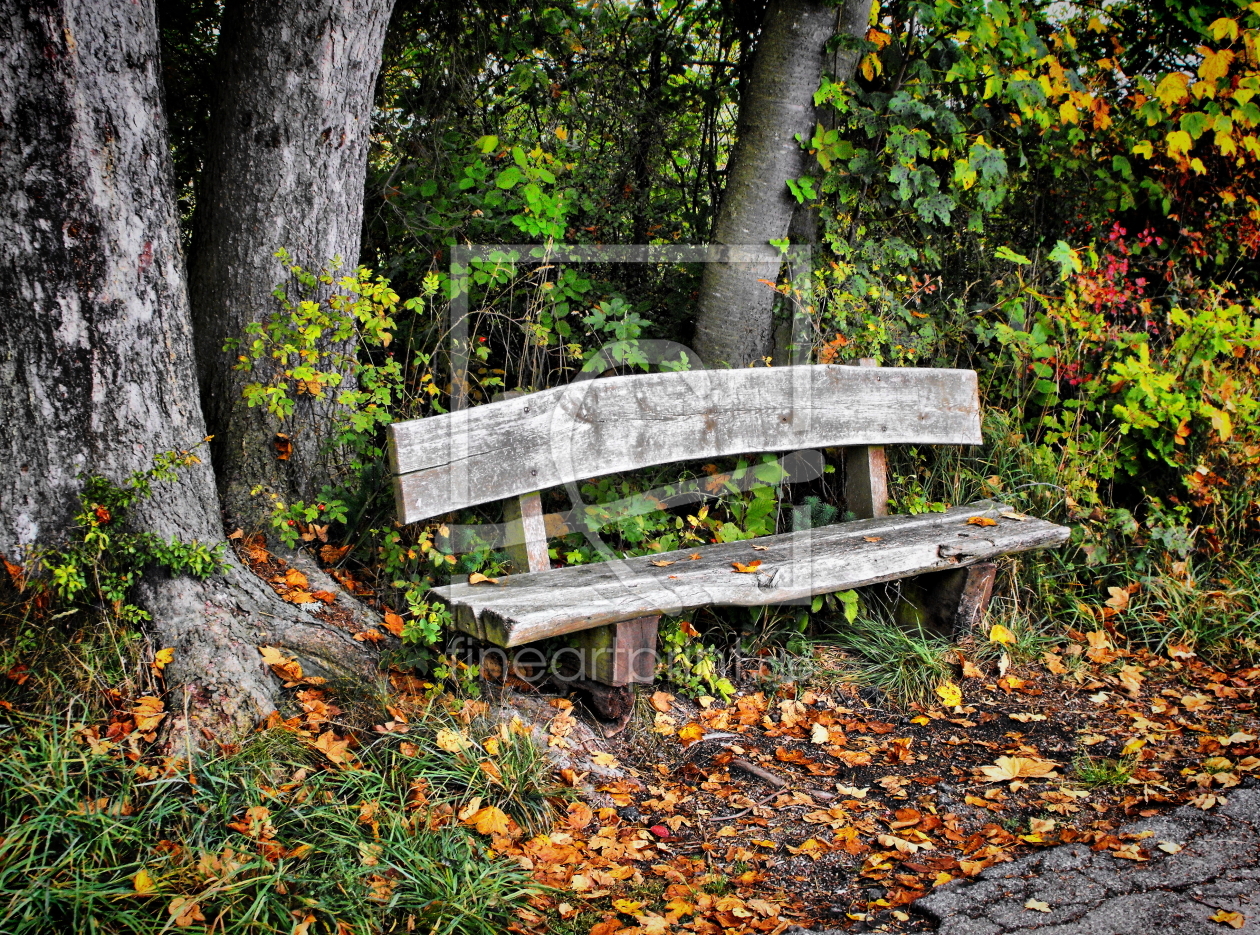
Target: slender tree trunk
x,y
96,352
286,159
735,319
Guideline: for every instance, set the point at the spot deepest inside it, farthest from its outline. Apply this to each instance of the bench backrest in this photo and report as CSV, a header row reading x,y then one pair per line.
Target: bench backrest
x,y
605,426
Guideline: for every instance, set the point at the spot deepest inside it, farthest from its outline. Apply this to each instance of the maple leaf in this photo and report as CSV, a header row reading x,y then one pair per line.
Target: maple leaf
x,y
981,521
1018,767
489,820
746,569
691,733
1119,598
288,669
452,741
393,623
328,744
628,906
951,694
148,713
695,556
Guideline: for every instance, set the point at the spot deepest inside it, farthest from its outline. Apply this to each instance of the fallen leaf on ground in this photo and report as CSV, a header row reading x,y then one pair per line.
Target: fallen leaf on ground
x,y
1234,920
477,578
661,701
1038,905
662,564
746,569
1169,847
981,521
950,694
1018,767
873,538
143,883
162,658
1001,634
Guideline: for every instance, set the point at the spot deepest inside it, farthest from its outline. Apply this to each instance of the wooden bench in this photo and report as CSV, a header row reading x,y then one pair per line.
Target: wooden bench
x,y
517,447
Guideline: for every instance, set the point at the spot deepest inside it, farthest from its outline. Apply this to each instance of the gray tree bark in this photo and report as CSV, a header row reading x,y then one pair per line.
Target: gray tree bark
x,y
286,158
735,316
96,349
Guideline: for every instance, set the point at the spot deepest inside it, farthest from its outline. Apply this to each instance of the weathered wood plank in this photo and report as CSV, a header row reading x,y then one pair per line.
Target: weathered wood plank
x,y
596,427
524,608
866,475
526,529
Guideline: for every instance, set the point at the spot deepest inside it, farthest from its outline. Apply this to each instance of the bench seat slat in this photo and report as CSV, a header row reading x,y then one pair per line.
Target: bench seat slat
x,y
596,427
528,607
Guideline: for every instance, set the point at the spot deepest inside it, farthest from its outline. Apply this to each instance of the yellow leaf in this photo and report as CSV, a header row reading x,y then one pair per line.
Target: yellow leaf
x,y
1133,746
1001,634
951,694
281,665
489,820
1234,920
1178,143
1171,89
981,521
452,741
162,658
143,883
746,569
1224,27
628,906
691,733
1215,65
1018,767
478,578
148,713
1067,112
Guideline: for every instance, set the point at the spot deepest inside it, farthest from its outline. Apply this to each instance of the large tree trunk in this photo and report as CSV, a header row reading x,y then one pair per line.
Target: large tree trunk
x,y
735,318
286,157
96,353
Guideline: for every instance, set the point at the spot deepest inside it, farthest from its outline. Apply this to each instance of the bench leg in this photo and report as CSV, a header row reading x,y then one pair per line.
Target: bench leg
x,y
616,658
947,602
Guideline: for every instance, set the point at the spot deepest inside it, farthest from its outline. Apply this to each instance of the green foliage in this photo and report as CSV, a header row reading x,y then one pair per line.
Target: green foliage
x,y
96,843
690,663
905,663
104,558
1100,771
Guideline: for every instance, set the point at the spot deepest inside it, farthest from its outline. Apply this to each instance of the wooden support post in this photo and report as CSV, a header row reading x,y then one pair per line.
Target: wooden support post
x,y
620,653
525,525
946,602
866,476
